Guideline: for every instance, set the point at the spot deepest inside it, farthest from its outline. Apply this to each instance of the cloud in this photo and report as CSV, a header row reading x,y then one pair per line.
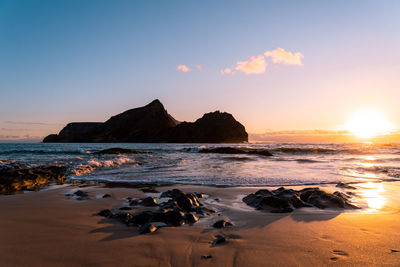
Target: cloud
x,y
183,68
199,67
279,55
254,65
226,71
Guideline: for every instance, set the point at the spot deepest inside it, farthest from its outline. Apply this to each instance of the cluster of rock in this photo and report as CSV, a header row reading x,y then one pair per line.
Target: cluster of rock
x,y
284,200
232,150
181,208
19,177
152,123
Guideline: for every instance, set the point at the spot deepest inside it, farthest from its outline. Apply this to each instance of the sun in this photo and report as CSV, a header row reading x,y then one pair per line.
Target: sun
x,y
368,123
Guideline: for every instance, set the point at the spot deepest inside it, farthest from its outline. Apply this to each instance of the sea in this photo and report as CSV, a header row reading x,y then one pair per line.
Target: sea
x,y
291,163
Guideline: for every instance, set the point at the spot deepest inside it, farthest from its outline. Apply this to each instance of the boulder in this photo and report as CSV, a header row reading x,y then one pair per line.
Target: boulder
x,y
221,224
284,200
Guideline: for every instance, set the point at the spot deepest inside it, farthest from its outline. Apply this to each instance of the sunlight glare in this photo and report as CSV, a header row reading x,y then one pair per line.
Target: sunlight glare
x,y
368,123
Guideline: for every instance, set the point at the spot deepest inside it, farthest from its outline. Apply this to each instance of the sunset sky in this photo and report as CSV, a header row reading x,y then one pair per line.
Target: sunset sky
x,y
277,66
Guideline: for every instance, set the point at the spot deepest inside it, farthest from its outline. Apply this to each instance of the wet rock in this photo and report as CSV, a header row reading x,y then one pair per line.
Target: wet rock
x,y
141,218
18,177
186,202
105,213
205,257
81,194
133,202
222,224
148,202
174,218
147,228
219,239
190,218
346,186
231,150
284,200
199,195
106,196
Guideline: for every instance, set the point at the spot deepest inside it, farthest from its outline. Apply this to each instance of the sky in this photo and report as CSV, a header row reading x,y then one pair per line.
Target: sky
x,y
277,66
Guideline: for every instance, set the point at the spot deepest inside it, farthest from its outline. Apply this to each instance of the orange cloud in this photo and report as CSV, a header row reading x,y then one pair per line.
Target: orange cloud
x,y
254,65
226,71
183,68
279,55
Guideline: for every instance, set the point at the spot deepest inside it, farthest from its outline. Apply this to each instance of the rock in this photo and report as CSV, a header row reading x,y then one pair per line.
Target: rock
x,y
148,202
147,228
19,177
346,186
152,123
105,213
106,196
231,150
219,239
141,218
174,217
81,194
133,202
116,150
284,200
205,257
199,195
186,202
221,224
190,218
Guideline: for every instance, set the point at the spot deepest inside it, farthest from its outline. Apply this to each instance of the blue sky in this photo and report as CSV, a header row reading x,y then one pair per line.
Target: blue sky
x,y
64,61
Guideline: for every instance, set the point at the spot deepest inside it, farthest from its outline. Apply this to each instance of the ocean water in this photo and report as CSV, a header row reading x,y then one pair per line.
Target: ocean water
x,y
291,164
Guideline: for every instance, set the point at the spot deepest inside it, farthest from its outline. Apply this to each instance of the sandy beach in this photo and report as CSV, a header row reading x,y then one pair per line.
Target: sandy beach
x,y
49,228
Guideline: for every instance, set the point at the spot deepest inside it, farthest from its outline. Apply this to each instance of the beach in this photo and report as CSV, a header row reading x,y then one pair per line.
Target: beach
x,y
50,228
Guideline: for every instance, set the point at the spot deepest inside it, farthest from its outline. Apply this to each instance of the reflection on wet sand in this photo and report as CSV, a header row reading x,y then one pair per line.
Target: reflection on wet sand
x,y
373,194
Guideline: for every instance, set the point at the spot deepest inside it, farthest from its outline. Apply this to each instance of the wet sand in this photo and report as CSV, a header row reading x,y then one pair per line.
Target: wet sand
x,y
48,228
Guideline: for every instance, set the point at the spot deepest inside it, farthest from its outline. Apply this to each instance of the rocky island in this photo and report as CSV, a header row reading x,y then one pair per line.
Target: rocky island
x,y
153,124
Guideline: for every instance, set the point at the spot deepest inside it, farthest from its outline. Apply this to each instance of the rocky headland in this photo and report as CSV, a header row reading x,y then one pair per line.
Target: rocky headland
x,y
153,124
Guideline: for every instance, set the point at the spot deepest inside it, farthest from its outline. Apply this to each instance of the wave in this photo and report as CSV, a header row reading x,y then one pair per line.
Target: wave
x,y
93,164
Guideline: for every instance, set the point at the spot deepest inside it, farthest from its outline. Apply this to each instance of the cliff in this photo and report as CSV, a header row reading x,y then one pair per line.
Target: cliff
x,y
152,123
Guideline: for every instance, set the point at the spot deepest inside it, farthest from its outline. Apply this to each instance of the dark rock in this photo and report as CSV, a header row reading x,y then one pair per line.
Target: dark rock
x,y
149,202
186,202
231,150
152,123
106,196
219,239
190,218
147,228
199,195
214,127
19,177
205,257
116,150
286,200
81,194
133,202
221,224
346,186
174,217
105,213
141,218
